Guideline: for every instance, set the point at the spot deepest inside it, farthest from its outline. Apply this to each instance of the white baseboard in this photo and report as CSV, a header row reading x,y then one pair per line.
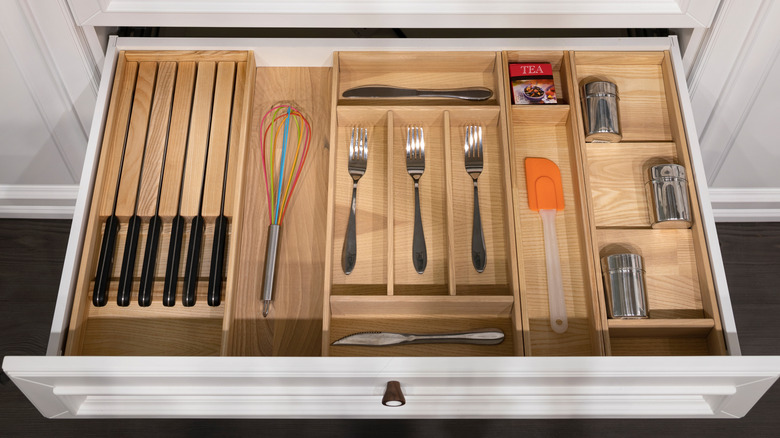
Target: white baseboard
x,y
745,205
37,201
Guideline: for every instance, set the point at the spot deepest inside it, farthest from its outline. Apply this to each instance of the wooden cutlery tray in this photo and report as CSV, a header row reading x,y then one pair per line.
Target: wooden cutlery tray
x,y
316,303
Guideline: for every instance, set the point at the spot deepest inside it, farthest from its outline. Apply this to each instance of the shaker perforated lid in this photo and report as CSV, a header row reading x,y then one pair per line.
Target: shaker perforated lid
x,y
600,88
622,261
665,171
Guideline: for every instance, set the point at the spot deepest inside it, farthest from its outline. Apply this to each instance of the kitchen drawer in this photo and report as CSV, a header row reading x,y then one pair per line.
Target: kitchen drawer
x,y
152,362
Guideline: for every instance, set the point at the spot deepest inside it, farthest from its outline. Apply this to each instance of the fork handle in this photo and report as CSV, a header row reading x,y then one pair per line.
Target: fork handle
x,y
349,252
478,251
419,252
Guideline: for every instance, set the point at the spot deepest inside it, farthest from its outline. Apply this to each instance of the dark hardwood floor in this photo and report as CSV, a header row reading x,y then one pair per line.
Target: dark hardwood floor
x,y
31,255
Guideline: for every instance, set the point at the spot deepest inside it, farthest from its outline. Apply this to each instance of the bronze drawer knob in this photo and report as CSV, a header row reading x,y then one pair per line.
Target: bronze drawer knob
x,y
393,397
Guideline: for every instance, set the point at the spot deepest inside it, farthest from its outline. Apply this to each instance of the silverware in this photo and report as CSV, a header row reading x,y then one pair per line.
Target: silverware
x,y
415,165
473,158
358,158
489,336
383,91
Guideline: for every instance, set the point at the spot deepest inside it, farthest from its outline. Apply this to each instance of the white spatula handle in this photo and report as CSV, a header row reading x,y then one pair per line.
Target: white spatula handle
x,y
558,320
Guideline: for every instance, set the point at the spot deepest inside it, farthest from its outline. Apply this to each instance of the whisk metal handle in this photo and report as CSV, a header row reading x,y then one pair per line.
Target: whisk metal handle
x,y
271,257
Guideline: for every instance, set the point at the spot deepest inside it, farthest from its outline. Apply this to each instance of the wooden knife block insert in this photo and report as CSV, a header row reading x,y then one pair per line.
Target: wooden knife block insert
x,y
315,303
172,115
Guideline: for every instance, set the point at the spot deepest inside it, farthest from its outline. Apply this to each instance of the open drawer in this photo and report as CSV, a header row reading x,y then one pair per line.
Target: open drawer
x,y
115,360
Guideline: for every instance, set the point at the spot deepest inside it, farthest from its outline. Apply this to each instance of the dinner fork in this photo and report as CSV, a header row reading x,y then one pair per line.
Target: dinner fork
x,y
356,166
415,165
473,158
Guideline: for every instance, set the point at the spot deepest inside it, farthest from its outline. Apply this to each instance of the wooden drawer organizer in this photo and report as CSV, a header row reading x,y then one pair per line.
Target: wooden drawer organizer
x,y
316,303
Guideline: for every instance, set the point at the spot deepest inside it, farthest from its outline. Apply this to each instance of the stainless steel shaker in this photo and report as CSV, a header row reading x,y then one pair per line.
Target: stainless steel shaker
x,y
624,285
601,112
667,191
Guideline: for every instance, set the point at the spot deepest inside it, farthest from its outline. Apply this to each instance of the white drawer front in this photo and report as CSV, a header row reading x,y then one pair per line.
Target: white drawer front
x,y
720,387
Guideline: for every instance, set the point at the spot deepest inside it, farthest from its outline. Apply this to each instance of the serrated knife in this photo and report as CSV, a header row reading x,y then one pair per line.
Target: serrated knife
x,y
489,336
383,92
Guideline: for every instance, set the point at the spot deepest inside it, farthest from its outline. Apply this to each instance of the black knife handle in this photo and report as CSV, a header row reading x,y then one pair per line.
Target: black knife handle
x,y
150,262
172,266
193,262
128,262
217,261
100,293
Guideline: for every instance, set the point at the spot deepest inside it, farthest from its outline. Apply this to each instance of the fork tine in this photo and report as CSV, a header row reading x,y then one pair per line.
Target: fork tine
x,y
422,144
352,144
479,153
365,143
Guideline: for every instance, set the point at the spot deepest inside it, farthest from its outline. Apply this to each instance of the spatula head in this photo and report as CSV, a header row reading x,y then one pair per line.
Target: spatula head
x,y
543,181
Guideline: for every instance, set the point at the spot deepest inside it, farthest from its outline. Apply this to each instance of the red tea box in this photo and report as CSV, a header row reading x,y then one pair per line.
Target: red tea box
x,y
532,83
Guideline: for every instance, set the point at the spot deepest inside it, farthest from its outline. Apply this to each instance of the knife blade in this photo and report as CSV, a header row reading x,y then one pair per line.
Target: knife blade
x,y
384,91
489,336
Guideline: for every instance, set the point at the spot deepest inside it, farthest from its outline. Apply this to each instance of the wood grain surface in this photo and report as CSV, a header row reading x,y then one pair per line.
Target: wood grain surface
x,y
643,113
294,325
221,116
177,139
136,140
197,142
420,70
114,139
618,178
157,139
552,141
371,267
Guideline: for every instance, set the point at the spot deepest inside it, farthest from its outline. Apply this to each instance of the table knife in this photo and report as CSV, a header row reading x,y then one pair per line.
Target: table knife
x,y
379,339
382,91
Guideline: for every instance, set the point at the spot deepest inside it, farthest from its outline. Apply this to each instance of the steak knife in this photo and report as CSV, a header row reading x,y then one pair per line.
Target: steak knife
x,y
383,91
489,336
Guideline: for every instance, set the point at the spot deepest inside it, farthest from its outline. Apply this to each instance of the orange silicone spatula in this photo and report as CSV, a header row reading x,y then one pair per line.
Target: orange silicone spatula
x,y
545,195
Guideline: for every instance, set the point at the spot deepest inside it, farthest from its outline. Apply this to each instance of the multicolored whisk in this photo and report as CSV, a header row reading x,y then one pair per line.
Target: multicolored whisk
x,y
283,128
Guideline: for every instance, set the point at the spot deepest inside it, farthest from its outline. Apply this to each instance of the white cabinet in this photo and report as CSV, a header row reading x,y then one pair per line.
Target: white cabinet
x,y
713,380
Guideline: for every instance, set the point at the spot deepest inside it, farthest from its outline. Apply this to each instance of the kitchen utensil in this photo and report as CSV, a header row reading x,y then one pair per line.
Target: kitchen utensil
x,y
195,246
624,286
134,224
473,159
276,170
667,191
384,91
178,224
165,103
415,165
356,166
545,195
108,244
601,112
217,266
489,336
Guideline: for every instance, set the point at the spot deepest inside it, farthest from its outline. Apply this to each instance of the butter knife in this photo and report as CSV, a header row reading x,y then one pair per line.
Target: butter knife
x,y
489,336
383,91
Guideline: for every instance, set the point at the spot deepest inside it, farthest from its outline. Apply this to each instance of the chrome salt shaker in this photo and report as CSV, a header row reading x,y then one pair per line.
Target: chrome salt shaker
x,y
624,286
600,110
667,191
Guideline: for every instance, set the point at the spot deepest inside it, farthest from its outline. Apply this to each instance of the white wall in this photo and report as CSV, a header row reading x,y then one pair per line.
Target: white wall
x,y
48,83
735,93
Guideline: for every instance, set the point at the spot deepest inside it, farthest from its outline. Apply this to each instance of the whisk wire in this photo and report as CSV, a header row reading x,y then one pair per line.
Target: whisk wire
x,y
282,177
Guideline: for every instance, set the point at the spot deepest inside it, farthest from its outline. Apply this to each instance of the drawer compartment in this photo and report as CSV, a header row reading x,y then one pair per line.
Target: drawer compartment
x,y
175,131
315,302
